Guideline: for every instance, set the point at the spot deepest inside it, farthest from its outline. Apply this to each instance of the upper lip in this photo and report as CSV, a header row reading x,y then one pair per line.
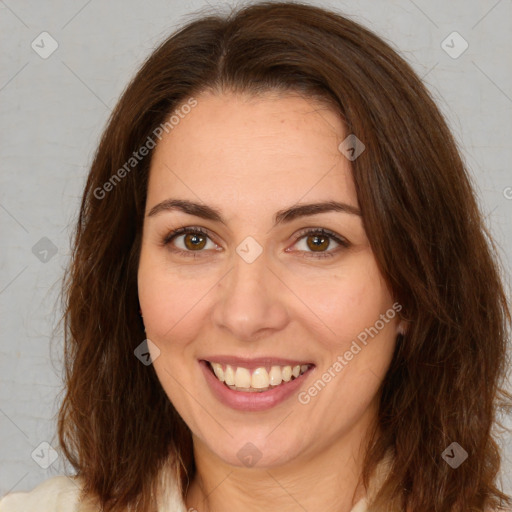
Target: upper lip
x,y
256,362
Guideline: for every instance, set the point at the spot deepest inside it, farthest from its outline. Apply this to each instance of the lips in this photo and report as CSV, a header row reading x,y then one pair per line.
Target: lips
x,y
254,398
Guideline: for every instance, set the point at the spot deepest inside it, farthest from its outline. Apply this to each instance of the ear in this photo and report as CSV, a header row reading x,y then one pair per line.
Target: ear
x,y
402,327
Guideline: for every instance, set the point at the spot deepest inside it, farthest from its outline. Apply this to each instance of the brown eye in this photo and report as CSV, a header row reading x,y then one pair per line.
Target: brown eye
x,y
194,241
318,242
189,241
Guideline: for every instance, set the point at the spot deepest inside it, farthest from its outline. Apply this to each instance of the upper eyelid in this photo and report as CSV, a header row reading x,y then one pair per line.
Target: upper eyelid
x,y
339,239
173,233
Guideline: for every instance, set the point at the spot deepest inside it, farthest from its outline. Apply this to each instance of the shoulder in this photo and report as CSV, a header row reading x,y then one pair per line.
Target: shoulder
x,y
65,494
57,494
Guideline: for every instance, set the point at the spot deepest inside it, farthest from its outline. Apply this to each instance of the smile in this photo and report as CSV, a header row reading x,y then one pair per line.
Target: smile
x,y
256,380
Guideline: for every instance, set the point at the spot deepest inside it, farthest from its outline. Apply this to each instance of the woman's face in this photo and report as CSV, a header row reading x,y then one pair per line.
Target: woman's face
x,y
259,292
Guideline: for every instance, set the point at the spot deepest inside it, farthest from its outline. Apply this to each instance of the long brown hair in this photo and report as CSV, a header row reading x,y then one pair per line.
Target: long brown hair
x,y
446,381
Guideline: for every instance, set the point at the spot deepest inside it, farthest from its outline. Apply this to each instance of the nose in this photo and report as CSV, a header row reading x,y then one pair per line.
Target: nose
x,y
250,302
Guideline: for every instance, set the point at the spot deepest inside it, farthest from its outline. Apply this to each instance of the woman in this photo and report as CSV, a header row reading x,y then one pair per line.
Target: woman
x,y
282,295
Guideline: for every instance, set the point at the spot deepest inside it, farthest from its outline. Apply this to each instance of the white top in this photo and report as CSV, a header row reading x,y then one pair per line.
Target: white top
x,y
61,494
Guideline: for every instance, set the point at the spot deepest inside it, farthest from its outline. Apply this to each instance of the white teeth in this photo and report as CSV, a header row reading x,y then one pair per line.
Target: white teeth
x,y
275,376
287,373
260,379
242,378
229,376
219,372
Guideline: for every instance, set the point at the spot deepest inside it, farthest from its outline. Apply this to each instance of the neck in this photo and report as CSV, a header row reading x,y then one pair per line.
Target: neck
x,y
326,481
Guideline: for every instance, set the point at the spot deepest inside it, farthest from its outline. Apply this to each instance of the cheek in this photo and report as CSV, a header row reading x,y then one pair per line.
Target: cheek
x,y
346,302
168,299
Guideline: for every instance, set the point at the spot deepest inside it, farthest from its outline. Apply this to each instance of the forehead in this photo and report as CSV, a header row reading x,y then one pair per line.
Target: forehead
x,y
234,148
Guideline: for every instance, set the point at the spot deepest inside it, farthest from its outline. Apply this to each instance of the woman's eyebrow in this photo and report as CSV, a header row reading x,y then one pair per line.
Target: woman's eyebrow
x,y
282,216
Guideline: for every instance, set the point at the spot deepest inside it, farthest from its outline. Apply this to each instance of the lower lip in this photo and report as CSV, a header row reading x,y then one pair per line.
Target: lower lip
x,y
254,401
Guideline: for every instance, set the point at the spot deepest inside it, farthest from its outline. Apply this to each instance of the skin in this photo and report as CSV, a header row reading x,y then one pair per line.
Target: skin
x,y
250,157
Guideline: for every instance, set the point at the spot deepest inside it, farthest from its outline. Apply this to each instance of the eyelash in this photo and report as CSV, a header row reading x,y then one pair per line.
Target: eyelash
x,y
304,233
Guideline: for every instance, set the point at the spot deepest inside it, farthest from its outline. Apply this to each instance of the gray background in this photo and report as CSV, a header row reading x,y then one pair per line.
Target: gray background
x,y
53,111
